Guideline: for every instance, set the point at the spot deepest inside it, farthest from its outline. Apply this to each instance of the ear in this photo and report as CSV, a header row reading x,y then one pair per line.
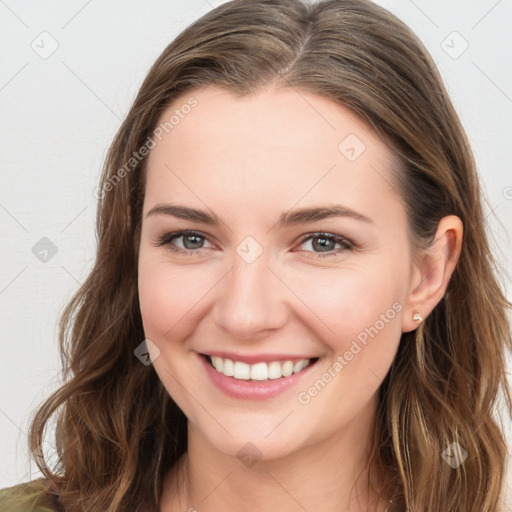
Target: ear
x,y
432,270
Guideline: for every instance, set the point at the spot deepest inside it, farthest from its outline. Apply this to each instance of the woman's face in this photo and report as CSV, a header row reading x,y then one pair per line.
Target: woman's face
x,y
271,281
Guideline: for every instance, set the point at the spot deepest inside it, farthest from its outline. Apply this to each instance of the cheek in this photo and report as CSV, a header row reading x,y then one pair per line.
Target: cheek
x,y
348,300
360,313
166,296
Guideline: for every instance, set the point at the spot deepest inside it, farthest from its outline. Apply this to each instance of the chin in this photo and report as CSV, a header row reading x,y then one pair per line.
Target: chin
x,y
254,444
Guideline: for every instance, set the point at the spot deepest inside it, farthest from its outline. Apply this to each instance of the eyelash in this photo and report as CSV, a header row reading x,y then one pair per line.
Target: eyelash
x,y
166,239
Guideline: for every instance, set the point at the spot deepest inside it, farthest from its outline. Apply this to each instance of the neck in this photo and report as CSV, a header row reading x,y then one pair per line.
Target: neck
x,y
332,473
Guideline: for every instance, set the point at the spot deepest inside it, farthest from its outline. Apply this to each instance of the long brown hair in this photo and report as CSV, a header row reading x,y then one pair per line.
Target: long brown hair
x,y
119,432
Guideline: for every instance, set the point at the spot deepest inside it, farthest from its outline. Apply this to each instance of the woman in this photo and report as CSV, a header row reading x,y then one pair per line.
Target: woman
x,y
293,304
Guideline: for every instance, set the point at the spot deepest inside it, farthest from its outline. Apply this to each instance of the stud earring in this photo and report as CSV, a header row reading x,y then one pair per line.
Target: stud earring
x,y
417,317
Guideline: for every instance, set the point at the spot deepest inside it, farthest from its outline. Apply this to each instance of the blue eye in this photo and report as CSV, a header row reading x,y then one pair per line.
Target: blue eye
x,y
193,241
327,243
191,238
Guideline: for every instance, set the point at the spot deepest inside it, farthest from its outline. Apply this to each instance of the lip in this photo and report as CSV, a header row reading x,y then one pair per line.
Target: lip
x,y
252,390
258,358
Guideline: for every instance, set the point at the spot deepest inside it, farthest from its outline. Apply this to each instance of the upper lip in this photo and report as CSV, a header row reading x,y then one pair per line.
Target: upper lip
x,y
257,358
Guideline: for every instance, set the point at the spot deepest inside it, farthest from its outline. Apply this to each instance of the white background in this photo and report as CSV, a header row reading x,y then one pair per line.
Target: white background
x,y
60,113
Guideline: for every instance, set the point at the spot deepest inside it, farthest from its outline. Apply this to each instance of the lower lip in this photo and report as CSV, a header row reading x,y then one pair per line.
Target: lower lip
x,y
249,389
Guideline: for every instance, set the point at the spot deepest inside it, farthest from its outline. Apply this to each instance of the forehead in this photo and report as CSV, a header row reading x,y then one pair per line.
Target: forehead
x,y
275,146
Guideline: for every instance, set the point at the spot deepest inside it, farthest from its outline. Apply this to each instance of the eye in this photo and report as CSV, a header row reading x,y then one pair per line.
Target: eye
x,y
326,243
192,240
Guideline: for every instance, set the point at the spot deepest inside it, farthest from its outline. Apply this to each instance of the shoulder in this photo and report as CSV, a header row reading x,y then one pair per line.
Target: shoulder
x,y
26,497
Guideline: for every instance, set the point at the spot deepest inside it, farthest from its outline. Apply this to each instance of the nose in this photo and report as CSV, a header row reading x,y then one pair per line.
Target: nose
x,y
251,300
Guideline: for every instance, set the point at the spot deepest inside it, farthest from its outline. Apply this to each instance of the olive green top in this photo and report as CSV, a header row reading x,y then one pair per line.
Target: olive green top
x,y
26,497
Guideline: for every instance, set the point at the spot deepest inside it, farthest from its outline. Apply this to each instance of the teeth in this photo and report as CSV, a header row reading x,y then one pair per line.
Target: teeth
x,y
258,371
242,371
298,366
287,369
228,368
274,370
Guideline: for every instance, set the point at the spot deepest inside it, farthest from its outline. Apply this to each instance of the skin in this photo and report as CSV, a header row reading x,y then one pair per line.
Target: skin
x,y
248,160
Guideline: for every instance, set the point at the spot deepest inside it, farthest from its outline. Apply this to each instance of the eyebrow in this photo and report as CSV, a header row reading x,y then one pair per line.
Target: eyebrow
x,y
286,219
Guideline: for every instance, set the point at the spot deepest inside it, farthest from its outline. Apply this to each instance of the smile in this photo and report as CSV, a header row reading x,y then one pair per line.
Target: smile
x,y
260,371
